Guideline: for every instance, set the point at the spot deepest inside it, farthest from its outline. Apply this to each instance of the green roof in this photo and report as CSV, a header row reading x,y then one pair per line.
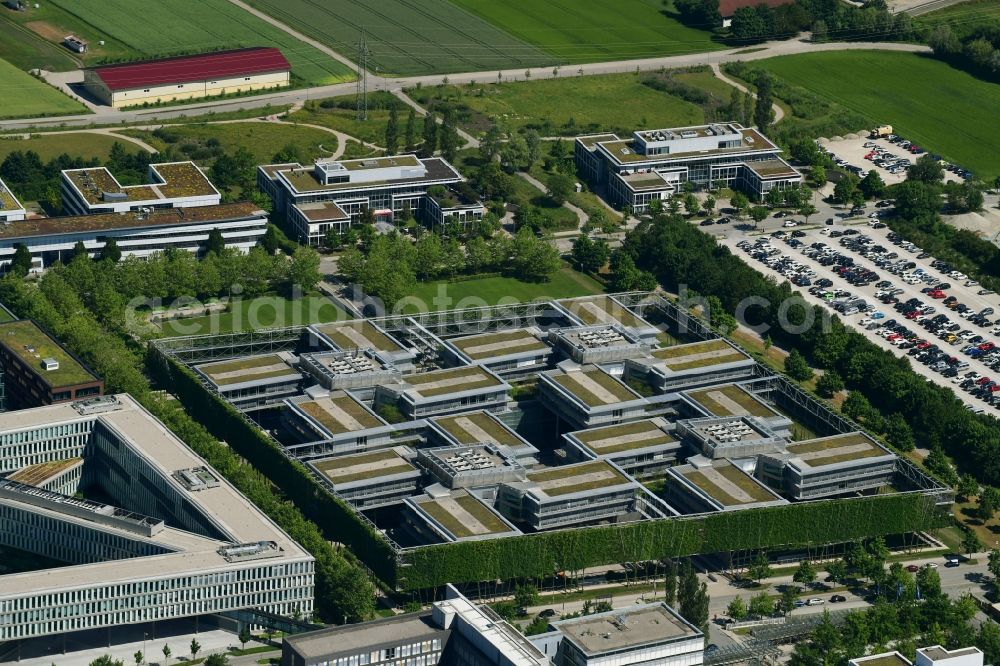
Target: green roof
x,y
358,333
347,469
558,481
454,380
637,435
698,355
18,336
733,475
325,411
600,310
714,399
7,200
250,369
577,381
841,448
481,420
490,345
486,520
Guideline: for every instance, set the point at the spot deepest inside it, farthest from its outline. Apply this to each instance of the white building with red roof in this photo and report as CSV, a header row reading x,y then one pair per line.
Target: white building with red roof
x,y
188,77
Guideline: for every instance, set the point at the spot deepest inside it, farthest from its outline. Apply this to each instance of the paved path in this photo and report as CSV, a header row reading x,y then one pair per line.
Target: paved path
x,y
779,113
581,215
768,50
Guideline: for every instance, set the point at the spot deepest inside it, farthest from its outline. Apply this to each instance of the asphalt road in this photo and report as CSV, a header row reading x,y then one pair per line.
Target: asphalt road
x,y
108,116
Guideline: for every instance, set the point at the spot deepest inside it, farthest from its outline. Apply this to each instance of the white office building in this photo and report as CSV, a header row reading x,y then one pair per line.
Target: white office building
x,y
171,185
11,210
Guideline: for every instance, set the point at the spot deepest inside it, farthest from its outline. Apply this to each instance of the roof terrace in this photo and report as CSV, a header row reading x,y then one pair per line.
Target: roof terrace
x,y
345,470
477,428
454,380
339,413
836,449
594,310
726,483
169,180
461,515
358,334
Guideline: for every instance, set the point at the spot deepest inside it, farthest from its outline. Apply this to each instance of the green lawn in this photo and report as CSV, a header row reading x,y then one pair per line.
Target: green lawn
x,y
79,144
406,37
263,312
26,50
191,26
25,96
569,105
575,31
330,113
490,291
263,139
944,109
963,12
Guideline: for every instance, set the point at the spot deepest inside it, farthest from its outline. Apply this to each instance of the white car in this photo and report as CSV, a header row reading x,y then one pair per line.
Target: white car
x,y
815,601
789,224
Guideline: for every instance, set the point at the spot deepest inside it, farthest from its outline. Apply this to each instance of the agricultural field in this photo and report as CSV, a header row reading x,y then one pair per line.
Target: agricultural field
x,y
566,106
172,27
577,31
204,142
405,38
77,144
887,94
26,50
22,95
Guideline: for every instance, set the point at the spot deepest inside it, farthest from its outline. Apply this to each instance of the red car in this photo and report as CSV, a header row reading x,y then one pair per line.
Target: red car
x,y
913,568
987,346
912,314
983,380
936,293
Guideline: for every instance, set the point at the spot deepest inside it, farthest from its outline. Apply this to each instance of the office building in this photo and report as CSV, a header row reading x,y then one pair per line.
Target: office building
x,y
643,449
447,391
253,381
11,210
654,164
38,371
510,354
171,185
702,485
927,656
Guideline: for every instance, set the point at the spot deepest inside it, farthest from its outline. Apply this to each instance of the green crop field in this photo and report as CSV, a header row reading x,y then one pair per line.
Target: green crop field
x,y
569,106
26,50
944,109
22,95
963,12
576,31
190,26
406,37
77,144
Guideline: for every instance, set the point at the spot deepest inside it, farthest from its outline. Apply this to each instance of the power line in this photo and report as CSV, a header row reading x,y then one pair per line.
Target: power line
x,y
361,97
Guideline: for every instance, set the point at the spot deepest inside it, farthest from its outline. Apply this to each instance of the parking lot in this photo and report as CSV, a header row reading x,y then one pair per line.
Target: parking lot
x,y
886,288
889,158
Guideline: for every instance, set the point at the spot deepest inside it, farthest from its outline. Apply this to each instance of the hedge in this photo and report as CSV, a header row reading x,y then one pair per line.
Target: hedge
x,y
338,520
792,525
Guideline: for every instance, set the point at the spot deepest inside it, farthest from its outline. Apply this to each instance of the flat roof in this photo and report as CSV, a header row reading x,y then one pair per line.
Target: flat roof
x,y
188,68
836,449
503,343
631,627
365,163
37,475
650,180
730,400
322,211
771,168
884,659
134,219
358,334
7,199
452,380
248,369
936,652
177,179
726,483
579,477
303,180
32,345
364,466
232,513
752,141
698,355
601,309
624,437
595,387
339,413
463,515
476,428
590,140
351,638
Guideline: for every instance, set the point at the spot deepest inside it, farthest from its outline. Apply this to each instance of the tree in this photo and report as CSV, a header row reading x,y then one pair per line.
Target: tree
x,y
449,140
110,251
762,605
925,170
737,609
270,241
967,487
21,263
670,583
819,31
760,568
244,636
763,112
106,660
525,596
774,198
80,251
534,259
533,141
392,132
708,205
138,657
303,270
691,204
411,131
560,187
740,203
929,582
430,137
817,174
836,571
589,255
829,383
757,214
970,542
796,367
898,432
806,210
994,565
872,185
215,243
693,598
195,647
789,595
844,190
217,659
805,574
166,652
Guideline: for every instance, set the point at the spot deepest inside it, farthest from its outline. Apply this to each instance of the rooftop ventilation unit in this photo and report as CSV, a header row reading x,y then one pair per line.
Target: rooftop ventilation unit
x,y
50,364
196,478
245,552
114,196
98,405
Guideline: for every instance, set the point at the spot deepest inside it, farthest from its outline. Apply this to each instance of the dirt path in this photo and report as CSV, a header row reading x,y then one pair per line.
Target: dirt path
x,y
779,113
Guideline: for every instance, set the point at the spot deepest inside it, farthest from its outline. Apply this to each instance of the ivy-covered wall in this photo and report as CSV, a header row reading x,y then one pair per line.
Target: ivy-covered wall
x,y
545,553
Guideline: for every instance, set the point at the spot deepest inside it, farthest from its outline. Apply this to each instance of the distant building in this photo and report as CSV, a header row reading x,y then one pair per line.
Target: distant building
x,y
11,210
75,44
188,77
333,194
38,371
137,233
934,655
171,185
728,7
654,164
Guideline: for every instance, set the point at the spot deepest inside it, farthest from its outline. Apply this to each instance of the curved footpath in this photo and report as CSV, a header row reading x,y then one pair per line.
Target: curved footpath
x,y
108,116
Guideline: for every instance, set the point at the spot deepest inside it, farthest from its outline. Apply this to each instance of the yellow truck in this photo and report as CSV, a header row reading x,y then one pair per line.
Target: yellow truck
x,y
880,131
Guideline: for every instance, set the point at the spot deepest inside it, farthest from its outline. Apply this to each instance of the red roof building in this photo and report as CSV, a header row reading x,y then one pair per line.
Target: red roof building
x,y
188,77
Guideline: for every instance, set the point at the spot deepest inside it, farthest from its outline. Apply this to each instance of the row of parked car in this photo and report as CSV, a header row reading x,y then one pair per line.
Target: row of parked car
x,y
917,150
884,158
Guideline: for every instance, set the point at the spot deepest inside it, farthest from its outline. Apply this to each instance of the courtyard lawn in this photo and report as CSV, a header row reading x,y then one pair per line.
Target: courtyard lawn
x,y
168,27
943,109
575,31
262,312
404,37
24,96
78,144
568,106
444,295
